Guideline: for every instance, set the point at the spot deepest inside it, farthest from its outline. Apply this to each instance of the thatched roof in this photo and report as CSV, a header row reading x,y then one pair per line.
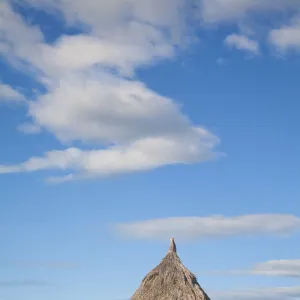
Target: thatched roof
x,y
170,280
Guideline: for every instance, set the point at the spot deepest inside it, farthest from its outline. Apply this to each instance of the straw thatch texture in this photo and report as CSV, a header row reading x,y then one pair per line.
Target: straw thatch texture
x,y
170,280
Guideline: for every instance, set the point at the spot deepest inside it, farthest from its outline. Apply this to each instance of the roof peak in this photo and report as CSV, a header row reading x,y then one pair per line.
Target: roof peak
x,y
172,248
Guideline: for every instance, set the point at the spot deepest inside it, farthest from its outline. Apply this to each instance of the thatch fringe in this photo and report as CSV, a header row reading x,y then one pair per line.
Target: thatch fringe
x,y
170,280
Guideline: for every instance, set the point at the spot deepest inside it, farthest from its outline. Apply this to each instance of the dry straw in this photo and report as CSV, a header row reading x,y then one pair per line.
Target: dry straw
x,y
170,280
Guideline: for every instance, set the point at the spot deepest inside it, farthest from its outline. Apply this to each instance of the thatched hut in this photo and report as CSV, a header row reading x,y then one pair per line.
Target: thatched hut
x,y
170,280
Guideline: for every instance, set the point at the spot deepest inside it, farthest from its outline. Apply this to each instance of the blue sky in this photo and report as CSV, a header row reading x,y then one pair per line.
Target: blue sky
x,y
126,123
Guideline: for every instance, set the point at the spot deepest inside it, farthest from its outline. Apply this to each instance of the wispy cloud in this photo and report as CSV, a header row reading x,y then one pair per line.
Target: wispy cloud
x,y
23,283
222,11
272,293
221,61
279,268
29,128
40,264
207,227
145,154
267,293
8,94
285,267
242,42
286,37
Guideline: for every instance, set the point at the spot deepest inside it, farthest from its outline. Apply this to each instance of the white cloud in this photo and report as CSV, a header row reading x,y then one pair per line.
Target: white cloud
x,y
15,30
281,268
146,130
123,34
272,293
130,127
214,226
103,16
242,42
126,123
124,47
106,109
18,40
7,93
286,37
141,155
285,267
129,48
254,18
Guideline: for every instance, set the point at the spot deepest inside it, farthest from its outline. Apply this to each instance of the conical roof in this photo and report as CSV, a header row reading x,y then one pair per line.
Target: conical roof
x,y
170,280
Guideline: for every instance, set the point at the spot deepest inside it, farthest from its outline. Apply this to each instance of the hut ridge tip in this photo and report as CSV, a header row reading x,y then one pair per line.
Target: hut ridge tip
x,y
172,248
